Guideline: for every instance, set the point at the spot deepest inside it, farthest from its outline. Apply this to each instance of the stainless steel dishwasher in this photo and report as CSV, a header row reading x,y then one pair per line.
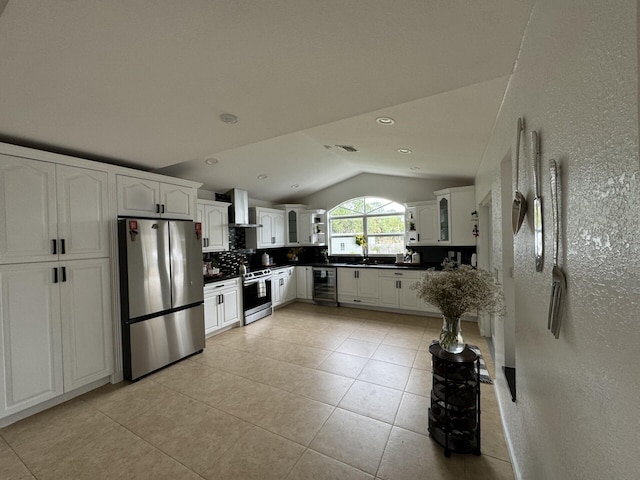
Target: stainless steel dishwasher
x,y
325,289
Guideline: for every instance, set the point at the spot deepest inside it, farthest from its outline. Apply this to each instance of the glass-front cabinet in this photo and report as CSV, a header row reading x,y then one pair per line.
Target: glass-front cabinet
x,y
444,218
292,226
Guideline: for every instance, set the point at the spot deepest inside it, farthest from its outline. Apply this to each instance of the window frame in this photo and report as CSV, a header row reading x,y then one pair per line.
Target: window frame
x,y
365,216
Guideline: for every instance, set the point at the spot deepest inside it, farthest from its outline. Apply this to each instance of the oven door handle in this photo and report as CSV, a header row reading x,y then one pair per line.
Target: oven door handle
x,y
256,280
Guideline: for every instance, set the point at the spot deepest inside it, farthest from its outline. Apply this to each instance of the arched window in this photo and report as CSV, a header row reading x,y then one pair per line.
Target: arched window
x,y
380,220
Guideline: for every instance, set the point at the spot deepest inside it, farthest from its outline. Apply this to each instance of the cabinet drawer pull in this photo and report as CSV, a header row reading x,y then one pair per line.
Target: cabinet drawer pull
x,y
63,249
157,208
54,249
55,275
64,274
162,208
398,273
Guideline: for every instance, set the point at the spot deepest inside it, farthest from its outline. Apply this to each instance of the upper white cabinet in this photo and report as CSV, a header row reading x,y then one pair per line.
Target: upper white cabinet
x,y
454,207
272,232
292,224
304,226
146,198
51,211
83,212
422,223
214,217
312,227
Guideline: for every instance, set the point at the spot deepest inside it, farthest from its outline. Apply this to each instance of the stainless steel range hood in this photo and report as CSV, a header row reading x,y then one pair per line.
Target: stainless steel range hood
x,y
239,209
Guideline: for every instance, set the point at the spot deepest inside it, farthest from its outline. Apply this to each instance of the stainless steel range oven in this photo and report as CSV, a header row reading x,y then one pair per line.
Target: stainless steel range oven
x,y
256,295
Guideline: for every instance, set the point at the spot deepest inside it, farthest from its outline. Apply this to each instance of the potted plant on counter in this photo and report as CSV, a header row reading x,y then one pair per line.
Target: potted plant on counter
x,y
458,291
361,241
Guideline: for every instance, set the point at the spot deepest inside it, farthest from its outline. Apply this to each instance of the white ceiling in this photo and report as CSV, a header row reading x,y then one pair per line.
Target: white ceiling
x,y
143,83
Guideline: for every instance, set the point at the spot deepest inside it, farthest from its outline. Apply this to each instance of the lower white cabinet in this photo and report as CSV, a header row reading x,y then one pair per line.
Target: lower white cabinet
x,y
87,339
55,330
396,291
283,286
304,283
358,285
222,305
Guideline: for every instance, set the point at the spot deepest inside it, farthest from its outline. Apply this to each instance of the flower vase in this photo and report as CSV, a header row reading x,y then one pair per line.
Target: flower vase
x,y
451,335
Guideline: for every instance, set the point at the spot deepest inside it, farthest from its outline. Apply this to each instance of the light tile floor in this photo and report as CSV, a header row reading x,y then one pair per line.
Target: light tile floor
x,y
308,393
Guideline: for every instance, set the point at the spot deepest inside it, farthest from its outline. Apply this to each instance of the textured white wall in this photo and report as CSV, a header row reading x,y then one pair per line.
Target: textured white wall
x,y
576,83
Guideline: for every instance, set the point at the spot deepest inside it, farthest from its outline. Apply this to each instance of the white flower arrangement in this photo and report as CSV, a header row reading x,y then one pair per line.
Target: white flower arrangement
x,y
456,291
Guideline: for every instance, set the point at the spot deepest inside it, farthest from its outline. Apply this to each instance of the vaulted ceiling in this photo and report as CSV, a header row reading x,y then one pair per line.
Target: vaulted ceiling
x,y
144,84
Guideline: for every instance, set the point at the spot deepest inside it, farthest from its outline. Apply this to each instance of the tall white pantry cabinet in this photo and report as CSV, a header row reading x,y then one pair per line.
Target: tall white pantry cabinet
x,y
55,291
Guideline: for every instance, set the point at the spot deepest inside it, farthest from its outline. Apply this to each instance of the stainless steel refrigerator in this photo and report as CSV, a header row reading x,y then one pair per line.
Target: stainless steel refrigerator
x,y
161,293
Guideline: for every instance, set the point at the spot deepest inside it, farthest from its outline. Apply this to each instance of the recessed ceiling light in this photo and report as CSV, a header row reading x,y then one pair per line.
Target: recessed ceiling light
x,y
414,168
385,120
295,185
404,151
228,118
211,161
262,177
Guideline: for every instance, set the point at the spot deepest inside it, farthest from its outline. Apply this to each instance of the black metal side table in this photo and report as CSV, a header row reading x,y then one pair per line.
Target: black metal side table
x,y
454,416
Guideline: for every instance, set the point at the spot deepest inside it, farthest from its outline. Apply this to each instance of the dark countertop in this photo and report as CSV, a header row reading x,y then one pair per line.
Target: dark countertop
x,y
383,266
408,266
219,278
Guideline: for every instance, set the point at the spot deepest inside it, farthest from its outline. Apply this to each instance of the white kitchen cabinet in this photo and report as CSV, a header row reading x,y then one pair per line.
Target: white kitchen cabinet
x,y
358,285
222,305
422,216
396,291
272,232
87,338
292,223
304,283
62,214
138,197
312,227
454,208
83,213
214,217
283,286
30,337
55,330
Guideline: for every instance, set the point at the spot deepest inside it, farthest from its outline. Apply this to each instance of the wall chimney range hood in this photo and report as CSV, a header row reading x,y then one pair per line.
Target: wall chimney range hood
x,y
239,209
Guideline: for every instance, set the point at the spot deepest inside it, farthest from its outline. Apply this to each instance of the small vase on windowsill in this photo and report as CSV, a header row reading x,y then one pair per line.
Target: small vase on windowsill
x,y
451,335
